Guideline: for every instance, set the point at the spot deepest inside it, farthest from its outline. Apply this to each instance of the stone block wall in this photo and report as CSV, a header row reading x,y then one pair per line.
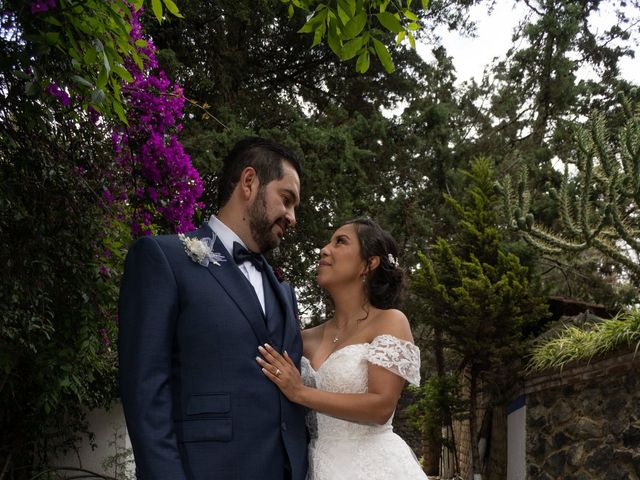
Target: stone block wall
x,y
584,423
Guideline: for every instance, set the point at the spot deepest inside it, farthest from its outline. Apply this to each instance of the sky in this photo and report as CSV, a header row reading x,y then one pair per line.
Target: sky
x,y
472,55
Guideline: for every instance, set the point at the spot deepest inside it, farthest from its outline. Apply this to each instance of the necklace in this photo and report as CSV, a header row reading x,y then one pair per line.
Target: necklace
x,y
336,338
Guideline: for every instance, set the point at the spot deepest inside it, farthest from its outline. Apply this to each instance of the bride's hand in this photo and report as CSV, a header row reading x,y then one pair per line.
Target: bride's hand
x,y
282,371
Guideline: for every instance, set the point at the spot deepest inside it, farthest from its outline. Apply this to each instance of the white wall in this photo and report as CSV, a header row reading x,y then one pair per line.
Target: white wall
x,y
516,440
110,438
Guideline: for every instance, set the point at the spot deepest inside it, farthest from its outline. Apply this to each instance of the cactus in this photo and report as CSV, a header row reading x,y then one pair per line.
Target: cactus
x,y
605,213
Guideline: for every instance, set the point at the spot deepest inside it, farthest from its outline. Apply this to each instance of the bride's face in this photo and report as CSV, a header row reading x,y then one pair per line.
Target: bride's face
x,y
340,260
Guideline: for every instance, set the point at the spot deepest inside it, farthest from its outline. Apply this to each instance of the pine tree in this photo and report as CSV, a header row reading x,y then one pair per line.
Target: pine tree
x,y
478,294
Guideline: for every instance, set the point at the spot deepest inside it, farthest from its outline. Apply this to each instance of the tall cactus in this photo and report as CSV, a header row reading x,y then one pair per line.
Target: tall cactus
x,y
604,213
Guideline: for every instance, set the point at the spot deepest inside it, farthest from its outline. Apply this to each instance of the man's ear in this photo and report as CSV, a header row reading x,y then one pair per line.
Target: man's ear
x,y
248,182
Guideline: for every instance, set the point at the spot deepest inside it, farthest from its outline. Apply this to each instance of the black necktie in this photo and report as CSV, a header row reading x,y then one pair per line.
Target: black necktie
x,y
241,255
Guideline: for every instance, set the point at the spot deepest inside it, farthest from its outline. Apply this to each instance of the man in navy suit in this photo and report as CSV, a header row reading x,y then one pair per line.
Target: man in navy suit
x,y
192,314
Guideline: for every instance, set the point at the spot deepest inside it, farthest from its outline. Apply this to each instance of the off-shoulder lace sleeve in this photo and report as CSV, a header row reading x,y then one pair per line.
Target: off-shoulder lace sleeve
x,y
397,356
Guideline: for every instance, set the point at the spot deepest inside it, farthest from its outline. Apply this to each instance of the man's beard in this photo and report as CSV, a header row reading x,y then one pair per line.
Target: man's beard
x,y
261,226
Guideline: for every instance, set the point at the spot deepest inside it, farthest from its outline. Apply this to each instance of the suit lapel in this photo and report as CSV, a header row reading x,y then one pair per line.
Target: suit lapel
x,y
232,281
289,321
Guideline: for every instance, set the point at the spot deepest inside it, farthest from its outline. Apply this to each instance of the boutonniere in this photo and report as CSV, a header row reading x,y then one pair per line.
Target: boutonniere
x,y
200,250
279,274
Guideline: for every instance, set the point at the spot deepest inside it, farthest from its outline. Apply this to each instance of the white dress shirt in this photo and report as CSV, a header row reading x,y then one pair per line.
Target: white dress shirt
x,y
227,237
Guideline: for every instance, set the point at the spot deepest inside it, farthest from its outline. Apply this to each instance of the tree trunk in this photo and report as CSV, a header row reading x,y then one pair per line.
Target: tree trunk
x,y
476,469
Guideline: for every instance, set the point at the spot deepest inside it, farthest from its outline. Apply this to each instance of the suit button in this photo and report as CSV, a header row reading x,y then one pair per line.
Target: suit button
x,y
283,426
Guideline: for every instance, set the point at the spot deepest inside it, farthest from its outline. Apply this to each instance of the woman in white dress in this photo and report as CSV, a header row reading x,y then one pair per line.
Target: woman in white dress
x,y
355,364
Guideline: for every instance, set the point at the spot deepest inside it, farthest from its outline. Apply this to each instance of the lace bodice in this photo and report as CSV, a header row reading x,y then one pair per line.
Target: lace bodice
x,y
346,371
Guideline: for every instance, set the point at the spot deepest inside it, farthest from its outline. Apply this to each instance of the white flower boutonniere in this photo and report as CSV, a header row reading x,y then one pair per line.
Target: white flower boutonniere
x,y
200,250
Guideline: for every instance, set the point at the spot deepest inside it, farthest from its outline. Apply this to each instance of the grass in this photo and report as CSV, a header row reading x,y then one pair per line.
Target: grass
x,y
573,343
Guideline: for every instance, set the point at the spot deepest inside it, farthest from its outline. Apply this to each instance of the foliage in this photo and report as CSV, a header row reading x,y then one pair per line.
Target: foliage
x,y
64,217
357,28
598,204
477,294
574,344
92,37
165,186
436,396
56,295
475,291
564,63
122,462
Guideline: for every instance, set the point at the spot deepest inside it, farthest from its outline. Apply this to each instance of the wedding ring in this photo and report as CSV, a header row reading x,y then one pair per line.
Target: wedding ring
x,y
277,372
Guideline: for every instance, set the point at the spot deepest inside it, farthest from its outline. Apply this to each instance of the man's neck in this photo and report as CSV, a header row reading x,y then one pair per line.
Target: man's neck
x,y
239,223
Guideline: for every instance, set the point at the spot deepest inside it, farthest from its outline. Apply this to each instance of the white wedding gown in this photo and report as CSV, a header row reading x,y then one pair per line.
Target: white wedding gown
x,y
340,449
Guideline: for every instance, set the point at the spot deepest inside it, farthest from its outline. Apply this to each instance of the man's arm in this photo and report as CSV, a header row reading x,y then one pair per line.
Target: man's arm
x,y
148,309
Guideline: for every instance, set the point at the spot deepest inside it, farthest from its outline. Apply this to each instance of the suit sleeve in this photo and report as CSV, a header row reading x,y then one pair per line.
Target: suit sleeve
x,y
148,310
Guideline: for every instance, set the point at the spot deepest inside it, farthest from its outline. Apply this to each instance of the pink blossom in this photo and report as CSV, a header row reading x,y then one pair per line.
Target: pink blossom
x,y
166,182
55,91
39,6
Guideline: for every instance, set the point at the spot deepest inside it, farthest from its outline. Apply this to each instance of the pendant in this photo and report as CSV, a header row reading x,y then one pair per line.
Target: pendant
x,y
335,339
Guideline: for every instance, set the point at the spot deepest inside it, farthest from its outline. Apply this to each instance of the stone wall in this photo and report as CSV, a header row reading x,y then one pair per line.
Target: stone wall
x,y
584,423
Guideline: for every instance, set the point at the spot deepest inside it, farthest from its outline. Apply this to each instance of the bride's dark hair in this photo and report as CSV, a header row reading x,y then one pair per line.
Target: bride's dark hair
x,y
384,285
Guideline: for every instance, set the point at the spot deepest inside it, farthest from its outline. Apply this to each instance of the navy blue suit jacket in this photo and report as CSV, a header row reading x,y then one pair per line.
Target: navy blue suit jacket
x,y
196,403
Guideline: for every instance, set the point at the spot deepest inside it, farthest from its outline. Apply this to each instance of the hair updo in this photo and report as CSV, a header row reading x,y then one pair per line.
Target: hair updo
x,y
384,285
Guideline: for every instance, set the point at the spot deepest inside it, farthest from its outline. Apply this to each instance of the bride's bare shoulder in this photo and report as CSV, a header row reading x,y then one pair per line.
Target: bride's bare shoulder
x,y
312,336
391,322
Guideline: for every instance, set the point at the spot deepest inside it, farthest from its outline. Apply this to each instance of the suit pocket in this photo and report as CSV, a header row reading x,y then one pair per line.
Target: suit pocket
x,y
209,403
205,430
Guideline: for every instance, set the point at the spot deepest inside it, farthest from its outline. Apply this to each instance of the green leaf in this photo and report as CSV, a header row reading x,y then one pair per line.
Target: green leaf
x,y
73,53
137,4
318,34
99,46
390,22
314,22
141,43
138,61
383,5
156,6
412,41
90,56
413,26
410,15
425,4
351,48
31,88
342,15
333,40
362,65
105,61
290,11
400,37
52,37
97,96
123,73
53,21
173,8
103,76
384,55
117,107
82,81
308,27
355,26
349,6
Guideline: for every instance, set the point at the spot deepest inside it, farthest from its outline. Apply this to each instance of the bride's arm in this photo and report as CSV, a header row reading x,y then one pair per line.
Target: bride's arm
x,y
374,406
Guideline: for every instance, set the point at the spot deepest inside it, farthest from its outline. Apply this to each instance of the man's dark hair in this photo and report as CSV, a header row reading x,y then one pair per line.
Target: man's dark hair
x,y
265,156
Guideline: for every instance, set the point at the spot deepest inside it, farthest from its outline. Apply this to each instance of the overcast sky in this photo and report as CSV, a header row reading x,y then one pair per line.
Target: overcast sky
x,y
471,55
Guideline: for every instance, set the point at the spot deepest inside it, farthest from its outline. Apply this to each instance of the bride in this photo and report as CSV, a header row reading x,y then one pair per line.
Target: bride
x,y
355,364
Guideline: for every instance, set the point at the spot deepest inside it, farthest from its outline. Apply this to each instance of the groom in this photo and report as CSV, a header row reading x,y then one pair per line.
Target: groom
x,y
191,319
